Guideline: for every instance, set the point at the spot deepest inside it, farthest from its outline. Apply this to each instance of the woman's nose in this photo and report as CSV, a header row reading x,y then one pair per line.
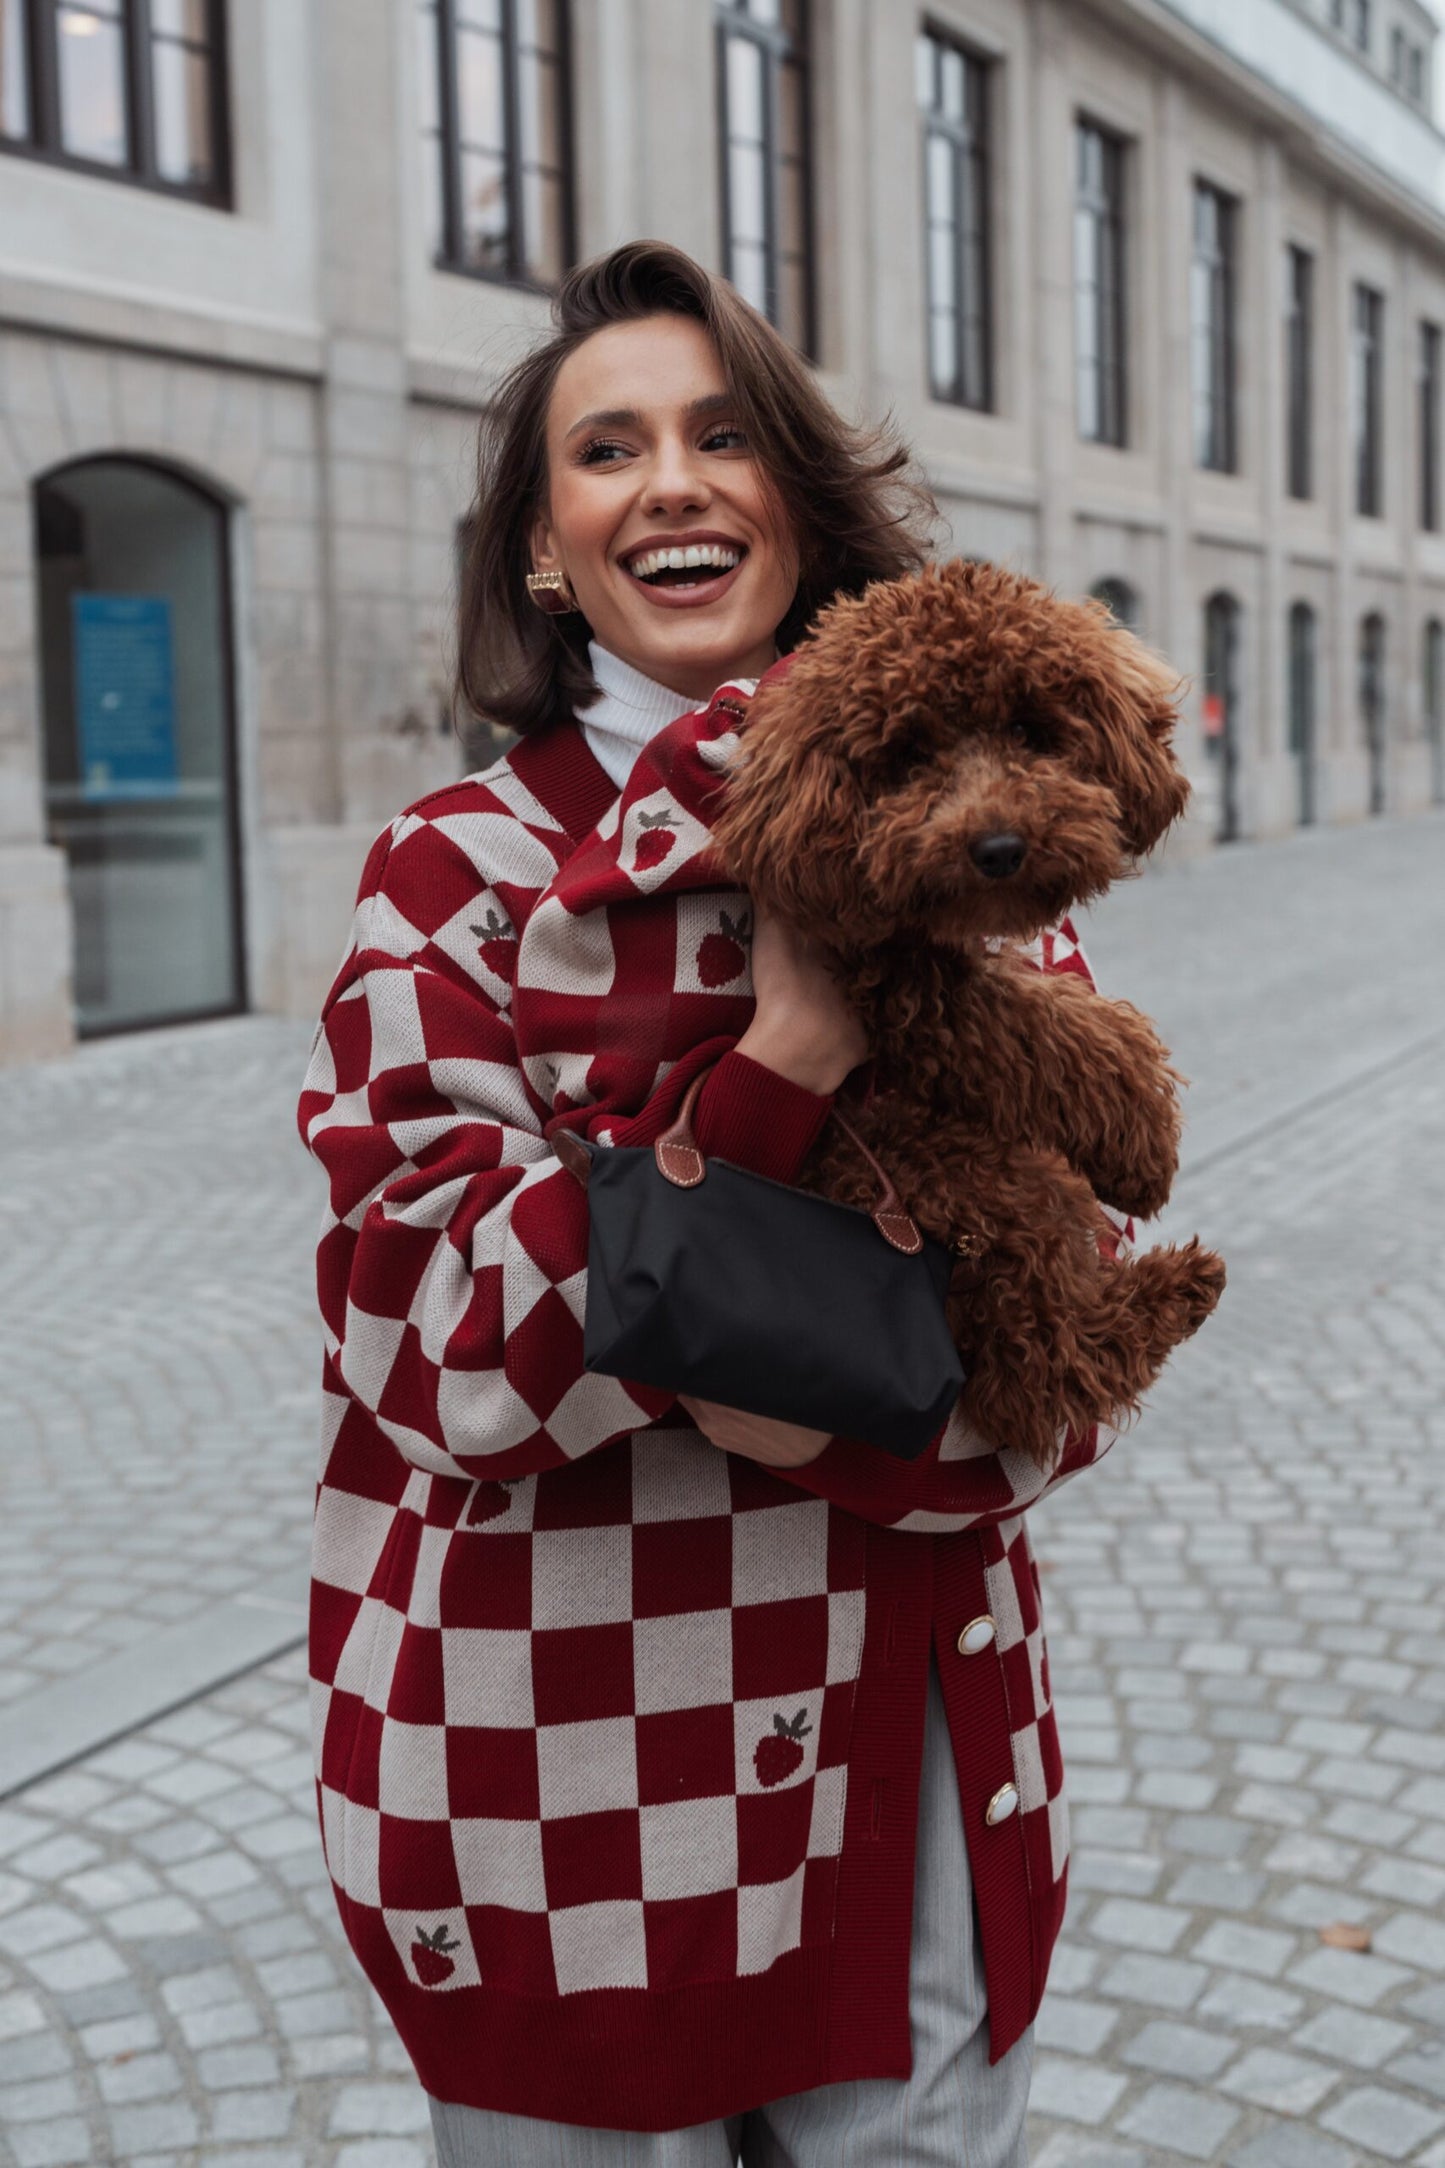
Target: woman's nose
x,y
675,479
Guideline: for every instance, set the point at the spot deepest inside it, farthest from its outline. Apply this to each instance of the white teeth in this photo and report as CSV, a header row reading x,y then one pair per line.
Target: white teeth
x,y
716,556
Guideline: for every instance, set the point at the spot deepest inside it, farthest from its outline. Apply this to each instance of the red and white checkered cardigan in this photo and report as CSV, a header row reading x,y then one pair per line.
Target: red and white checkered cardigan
x,y
618,1735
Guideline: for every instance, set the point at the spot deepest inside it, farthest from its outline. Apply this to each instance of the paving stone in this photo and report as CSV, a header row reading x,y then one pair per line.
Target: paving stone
x,y
1386,2122
1075,2091
1244,1948
1290,2145
1178,2051
1270,2078
1350,2036
1185,2121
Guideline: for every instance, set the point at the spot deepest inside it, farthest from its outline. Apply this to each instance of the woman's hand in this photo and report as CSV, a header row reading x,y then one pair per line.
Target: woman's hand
x,y
804,1029
755,1437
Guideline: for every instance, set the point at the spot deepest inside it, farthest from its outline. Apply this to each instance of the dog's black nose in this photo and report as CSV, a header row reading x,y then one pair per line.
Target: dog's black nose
x,y
998,856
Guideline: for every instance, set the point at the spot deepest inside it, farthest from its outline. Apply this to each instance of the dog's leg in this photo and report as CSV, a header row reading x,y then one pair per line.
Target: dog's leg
x,y
1054,1335
1085,1076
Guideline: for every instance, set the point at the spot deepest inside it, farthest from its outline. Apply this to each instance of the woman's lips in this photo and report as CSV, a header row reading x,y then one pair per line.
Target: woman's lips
x,y
687,598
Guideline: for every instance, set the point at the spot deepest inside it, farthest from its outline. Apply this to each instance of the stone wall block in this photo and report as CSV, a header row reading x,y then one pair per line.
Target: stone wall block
x,y
85,391
370,493
371,365
369,561
292,417
240,436
288,483
285,554
365,425
142,401
195,405
35,952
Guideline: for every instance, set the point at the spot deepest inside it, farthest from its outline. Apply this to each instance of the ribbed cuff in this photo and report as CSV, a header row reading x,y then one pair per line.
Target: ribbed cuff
x,y
758,1119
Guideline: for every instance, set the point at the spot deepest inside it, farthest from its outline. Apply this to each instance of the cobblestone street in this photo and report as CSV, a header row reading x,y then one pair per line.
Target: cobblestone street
x,y
1247,1600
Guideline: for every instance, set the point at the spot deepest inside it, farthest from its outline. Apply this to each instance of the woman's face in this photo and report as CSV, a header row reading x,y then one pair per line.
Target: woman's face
x,y
644,455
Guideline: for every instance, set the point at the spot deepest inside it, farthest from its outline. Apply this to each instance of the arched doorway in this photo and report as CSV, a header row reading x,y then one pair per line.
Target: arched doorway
x,y
1302,665
1221,706
1119,599
1373,705
1434,677
140,768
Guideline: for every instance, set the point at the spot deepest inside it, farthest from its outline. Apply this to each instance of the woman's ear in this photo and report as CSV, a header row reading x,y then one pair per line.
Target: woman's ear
x,y
543,544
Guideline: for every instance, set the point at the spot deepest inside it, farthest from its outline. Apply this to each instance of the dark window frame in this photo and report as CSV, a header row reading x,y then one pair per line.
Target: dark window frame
x,y
1367,415
44,142
1108,294
1302,701
451,256
970,147
1299,372
1216,404
1430,356
778,48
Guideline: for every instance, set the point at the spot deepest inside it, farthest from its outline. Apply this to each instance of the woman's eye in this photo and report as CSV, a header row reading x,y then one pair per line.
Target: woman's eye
x,y
602,452
730,439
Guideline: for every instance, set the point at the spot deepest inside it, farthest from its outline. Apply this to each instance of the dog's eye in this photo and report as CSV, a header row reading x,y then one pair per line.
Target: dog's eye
x,y
1027,731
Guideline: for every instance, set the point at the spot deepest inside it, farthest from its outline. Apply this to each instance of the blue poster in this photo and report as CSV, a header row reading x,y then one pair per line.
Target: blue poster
x,y
125,707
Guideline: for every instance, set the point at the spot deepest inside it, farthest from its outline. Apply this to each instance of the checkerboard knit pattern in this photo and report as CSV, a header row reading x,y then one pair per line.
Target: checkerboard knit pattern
x,y
615,1731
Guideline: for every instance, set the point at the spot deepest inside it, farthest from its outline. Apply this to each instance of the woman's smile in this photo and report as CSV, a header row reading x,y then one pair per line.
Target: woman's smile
x,y
684,571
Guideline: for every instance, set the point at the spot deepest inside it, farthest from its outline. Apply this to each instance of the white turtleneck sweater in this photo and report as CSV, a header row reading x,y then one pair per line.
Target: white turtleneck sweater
x,y
630,711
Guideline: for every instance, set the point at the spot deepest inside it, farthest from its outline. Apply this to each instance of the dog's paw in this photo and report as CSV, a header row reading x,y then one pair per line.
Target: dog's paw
x,y
1201,1282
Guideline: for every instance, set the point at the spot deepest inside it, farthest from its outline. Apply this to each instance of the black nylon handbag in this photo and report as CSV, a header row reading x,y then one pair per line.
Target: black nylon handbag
x,y
703,1278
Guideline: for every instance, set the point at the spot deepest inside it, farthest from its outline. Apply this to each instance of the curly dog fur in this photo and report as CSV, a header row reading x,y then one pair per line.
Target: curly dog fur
x,y
921,718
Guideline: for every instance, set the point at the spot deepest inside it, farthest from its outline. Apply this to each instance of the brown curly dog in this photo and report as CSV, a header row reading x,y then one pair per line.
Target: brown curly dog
x,y
948,765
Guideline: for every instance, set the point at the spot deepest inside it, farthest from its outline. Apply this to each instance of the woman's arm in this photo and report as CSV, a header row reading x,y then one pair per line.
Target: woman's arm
x,y
959,1482
452,1264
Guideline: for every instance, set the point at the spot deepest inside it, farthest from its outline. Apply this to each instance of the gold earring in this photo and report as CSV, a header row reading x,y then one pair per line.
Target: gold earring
x,y
552,593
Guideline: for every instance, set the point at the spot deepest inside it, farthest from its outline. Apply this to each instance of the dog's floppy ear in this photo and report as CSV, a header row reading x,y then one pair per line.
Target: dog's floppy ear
x,y
791,825
1130,700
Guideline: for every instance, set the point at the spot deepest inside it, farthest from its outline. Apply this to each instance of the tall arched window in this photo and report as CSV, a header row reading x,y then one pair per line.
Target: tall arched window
x,y
1302,696
1373,704
1119,599
1222,617
1433,675
140,772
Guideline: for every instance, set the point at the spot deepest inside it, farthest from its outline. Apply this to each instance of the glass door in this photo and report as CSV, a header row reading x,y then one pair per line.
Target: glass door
x,y
139,754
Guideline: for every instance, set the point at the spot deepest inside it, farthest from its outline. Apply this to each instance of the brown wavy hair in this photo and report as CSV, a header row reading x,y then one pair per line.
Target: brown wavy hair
x,y
850,494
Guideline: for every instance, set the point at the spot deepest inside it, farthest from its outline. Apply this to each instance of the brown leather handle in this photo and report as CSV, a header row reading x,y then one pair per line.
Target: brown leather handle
x,y
680,1161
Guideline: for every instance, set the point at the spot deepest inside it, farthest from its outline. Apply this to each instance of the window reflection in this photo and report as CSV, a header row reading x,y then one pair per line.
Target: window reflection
x,y
14,93
91,52
123,85
952,94
496,191
766,213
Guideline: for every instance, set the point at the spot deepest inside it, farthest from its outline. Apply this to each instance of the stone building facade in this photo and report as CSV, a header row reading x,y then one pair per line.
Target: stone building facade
x,y
247,322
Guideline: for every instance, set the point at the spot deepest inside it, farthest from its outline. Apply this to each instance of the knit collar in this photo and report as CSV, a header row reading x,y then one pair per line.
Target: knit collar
x,y
629,711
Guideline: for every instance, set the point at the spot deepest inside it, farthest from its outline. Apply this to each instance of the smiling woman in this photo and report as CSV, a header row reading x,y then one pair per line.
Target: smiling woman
x,y
629,1730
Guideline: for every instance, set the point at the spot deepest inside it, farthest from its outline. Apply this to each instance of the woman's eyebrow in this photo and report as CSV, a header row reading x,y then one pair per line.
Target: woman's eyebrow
x,y
630,418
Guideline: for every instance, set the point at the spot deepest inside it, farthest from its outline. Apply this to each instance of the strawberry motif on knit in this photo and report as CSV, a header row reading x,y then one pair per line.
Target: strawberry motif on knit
x,y
430,1955
721,957
778,1755
498,946
489,1501
656,839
